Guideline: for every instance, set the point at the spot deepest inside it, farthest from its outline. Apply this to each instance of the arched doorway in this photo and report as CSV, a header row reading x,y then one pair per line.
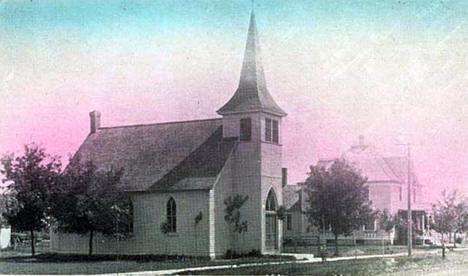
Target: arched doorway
x,y
271,227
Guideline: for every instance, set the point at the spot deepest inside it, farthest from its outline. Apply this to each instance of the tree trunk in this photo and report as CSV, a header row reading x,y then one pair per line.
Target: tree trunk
x,y
33,248
443,247
454,239
196,238
90,246
383,245
336,245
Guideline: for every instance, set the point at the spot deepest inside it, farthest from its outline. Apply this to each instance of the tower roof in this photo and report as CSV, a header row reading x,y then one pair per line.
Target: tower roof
x,y
252,93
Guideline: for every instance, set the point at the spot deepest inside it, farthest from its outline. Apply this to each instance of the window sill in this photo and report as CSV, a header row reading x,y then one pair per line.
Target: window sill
x,y
172,234
272,143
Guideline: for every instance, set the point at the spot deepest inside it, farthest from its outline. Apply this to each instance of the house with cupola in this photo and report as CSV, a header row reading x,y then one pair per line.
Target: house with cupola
x,y
387,184
175,172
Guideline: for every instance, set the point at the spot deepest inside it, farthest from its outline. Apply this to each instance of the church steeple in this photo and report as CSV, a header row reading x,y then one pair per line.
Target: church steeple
x,y
252,94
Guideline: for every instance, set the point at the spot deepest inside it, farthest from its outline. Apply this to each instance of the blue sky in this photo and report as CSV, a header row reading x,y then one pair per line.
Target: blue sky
x,y
340,69
114,17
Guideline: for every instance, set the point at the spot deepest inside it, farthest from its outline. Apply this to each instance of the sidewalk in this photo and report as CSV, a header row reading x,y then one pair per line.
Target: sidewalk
x,y
301,259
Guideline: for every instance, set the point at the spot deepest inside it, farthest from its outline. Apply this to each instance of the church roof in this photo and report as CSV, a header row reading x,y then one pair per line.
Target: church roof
x,y
161,157
252,93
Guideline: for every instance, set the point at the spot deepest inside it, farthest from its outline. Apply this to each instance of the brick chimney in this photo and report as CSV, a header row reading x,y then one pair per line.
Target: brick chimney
x,y
284,176
95,120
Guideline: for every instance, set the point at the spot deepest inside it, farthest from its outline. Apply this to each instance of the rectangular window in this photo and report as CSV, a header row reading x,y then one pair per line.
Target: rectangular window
x,y
271,130
245,129
370,225
275,132
268,130
289,222
414,195
400,194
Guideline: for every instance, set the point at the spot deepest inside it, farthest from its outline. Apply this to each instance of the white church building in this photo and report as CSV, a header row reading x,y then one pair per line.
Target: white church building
x,y
176,170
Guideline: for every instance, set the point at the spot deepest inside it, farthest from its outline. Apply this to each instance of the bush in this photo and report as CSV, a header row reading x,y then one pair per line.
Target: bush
x,y
232,254
59,258
459,240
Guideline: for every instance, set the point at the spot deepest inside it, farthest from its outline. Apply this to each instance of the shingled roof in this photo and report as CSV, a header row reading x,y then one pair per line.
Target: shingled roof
x,y
375,167
252,93
291,196
370,163
167,156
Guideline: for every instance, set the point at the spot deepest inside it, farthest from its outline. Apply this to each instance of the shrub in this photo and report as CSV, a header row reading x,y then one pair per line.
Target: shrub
x,y
232,254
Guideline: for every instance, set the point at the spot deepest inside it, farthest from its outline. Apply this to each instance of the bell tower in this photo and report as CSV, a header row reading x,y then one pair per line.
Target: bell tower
x,y
254,117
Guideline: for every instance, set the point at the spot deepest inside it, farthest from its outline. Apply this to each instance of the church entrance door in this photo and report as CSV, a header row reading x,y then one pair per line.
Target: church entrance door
x,y
271,232
271,222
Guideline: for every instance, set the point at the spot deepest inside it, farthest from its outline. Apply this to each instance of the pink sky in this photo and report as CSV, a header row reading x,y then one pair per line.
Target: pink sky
x,y
335,84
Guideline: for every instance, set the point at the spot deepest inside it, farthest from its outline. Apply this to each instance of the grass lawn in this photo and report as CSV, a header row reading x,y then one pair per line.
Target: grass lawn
x,y
417,265
80,264
349,250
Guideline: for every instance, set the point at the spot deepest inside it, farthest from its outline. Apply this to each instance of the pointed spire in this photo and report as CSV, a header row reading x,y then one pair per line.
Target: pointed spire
x,y
252,93
252,74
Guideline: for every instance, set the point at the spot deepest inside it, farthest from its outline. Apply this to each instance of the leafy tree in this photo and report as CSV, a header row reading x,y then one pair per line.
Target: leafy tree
x,y
29,179
87,202
450,214
3,204
461,223
387,221
443,214
232,213
281,213
166,228
337,199
198,218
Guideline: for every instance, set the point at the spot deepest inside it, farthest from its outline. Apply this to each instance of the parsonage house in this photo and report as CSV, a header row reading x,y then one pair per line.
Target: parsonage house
x,y
387,182
174,171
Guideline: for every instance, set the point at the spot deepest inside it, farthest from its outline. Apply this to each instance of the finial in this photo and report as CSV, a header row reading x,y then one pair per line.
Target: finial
x,y
253,5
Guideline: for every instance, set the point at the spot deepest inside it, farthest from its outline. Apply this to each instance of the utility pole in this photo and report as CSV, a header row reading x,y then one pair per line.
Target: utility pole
x,y
409,216
410,219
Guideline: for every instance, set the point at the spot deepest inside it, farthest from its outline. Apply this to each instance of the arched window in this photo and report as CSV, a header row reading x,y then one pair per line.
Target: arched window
x,y
171,211
271,201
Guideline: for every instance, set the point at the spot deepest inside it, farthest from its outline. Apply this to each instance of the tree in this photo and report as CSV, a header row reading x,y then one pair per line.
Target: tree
x,y
3,203
337,199
445,216
461,223
29,179
281,213
88,202
232,213
387,221
198,218
165,228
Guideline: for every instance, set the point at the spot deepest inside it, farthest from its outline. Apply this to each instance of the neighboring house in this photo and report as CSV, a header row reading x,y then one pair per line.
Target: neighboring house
x,y
296,222
175,170
5,229
5,236
387,184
